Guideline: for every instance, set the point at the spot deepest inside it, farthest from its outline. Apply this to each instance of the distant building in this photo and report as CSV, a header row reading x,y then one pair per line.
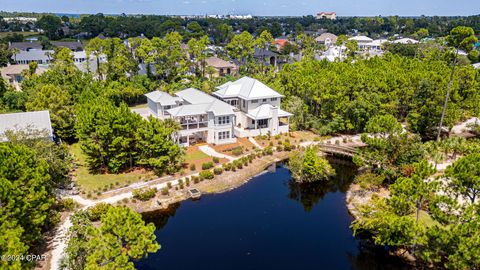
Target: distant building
x,y
20,19
42,57
280,43
328,39
13,74
222,67
267,57
327,15
25,46
38,122
405,41
477,65
75,46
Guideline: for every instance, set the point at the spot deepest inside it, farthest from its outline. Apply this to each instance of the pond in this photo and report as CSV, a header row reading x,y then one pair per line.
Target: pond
x,y
269,223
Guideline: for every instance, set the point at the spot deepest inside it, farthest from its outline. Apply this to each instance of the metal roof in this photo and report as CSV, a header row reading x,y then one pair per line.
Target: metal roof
x,y
246,88
38,121
163,98
264,111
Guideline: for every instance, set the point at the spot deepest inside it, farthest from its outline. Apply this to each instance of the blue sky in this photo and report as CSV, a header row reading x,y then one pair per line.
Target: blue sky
x,y
254,7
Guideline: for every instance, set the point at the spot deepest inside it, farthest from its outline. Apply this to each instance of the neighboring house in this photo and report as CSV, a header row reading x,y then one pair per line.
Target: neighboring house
x,y
280,43
333,53
242,108
202,118
267,57
328,39
13,74
42,57
327,15
38,121
258,107
405,41
368,44
221,67
361,41
477,65
75,46
25,46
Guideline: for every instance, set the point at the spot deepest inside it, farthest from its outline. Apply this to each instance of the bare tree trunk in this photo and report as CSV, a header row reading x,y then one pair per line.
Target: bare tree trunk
x,y
447,96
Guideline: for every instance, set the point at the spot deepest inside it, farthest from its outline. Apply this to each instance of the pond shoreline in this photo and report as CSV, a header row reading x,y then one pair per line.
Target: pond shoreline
x,y
227,181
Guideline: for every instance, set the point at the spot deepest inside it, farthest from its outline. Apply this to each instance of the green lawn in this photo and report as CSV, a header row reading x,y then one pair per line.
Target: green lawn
x,y
195,155
98,182
139,106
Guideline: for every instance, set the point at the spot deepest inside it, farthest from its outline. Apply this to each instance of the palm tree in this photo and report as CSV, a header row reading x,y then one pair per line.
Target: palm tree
x,y
461,37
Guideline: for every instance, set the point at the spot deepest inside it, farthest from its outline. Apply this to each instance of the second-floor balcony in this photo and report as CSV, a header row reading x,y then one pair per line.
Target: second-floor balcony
x,y
193,125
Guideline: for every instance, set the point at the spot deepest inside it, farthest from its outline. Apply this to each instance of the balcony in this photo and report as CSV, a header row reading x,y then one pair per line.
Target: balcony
x,y
193,125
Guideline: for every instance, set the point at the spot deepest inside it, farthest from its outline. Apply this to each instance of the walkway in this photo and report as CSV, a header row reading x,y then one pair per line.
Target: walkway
x,y
211,152
254,142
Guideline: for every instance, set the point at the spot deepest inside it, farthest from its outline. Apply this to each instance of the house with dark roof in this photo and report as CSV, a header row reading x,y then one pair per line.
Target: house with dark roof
x,y
266,57
75,46
25,46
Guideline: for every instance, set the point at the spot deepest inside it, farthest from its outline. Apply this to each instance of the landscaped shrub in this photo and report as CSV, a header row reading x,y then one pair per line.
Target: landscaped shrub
x,y
192,167
279,148
165,191
69,204
277,137
207,174
216,160
287,146
237,151
268,151
144,194
169,185
95,212
227,166
207,165
218,171
337,142
195,179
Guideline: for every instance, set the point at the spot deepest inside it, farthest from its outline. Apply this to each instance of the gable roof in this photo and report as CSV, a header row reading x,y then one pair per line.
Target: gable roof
x,y
18,69
246,88
194,96
163,98
34,55
323,37
219,63
72,45
39,121
25,46
361,39
406,41
264,111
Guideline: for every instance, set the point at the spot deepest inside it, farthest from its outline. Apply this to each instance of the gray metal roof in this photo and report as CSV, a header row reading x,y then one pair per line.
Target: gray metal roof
x,y
163,98
25,46
38,121
246,88
34,55
200,103
194,96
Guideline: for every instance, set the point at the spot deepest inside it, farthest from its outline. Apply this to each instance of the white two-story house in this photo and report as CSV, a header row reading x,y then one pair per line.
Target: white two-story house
x,y
258,107
202,118
244,108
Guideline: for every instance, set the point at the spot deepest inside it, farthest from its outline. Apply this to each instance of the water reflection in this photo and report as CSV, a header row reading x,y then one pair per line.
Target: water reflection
x,y
309,194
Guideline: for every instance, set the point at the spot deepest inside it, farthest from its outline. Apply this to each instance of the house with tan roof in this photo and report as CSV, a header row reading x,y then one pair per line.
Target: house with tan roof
x,y
221,67
328,39
13,74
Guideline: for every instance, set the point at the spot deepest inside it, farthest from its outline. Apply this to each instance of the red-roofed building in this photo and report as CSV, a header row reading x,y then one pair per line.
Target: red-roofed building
x,y
280,43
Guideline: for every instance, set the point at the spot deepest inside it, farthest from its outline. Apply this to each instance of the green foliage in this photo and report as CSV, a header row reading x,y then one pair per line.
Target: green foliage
x,y
27,198
241,48
59,103
369,180
307,166
144,194
51,25
237,151
217,171
465,177
109,246
207,174
207,165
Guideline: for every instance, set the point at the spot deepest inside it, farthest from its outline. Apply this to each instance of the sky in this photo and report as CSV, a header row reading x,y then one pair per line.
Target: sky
x,y
253,7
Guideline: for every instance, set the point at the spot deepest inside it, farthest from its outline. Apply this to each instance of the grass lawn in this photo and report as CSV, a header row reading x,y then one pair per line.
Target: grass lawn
x,y
193,153
87,181
139,106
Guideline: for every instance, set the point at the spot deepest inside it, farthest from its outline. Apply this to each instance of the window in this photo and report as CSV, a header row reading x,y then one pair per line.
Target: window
x,y
243,103
224,135
255,101
223,120
273,99
264,100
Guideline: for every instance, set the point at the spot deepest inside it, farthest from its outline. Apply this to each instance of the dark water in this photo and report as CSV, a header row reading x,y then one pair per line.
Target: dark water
x,y
269,223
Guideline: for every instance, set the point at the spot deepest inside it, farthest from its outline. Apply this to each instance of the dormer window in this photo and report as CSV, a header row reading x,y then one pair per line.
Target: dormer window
x,y
255,101
273,99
